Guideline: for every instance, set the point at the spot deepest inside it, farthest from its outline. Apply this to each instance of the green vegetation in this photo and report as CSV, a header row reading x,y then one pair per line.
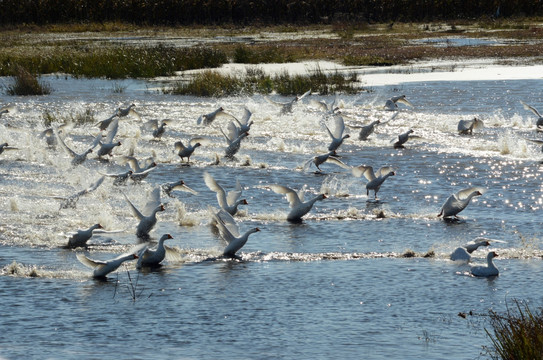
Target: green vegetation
x,y
212,83
518,334
75,118
25,83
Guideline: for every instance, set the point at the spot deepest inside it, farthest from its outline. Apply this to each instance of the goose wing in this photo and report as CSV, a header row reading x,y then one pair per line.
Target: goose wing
x,y
384,170
530,108
364,170
135,211
153,202
91,263
292,196
234,195
214,186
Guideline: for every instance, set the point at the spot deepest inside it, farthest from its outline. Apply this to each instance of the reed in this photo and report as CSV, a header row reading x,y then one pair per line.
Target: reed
x,y
517,334
25,83
214,84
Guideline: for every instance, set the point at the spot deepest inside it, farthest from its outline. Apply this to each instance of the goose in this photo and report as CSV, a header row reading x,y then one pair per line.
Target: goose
x,y
147,219
152,257
229,232
233,144
228,203
107,146
392,103
104,267
157,128
367,130
539,121
178,185
119,178
7,109
104,124
298,207
327,108
207,119
402,139
486,271
287,107
80,237
186,151
375,179
245,123
458,201
138,177
321,159
5,146
135,165
463,253
337,135
77,159
71,201
128,111
466,127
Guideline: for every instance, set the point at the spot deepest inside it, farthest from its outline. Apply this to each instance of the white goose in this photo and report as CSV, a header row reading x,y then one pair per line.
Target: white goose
x,y
152,257
207,119
148,221
5,146
463,253
392,103
486,271
375,179
458,201
104,124
229,232
77,159
287,107
178,185
128,111
107,146
71,200
80,237
228,203
233,144
539,121
466,127
104,267
186,151
245,123
337,134
402,139
298,206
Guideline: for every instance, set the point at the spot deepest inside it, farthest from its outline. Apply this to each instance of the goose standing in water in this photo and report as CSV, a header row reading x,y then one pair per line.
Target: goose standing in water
x,y
153,257
298,207
147,218
486,271
337,134
458,202
228,203
375,179
539,121
463,253
229,232
466,127
103,267
186,151
80,237
392,103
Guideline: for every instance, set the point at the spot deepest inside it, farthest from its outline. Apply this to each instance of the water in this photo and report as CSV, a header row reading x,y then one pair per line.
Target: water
x,y
336,285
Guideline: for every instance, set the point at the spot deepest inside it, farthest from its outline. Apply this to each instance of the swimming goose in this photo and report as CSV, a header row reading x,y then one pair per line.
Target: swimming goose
x,y
80,237
287,107
71,201
178,185
207,119
298,207
458,201
104,267
392,103
463,253
466,127
149,220
539,121
375,179
402,139
337,135
186,151
486,271
228,203
152,257
229,232
77,159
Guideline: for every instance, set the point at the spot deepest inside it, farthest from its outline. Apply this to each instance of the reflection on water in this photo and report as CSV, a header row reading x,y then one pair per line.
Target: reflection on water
x,y
356,276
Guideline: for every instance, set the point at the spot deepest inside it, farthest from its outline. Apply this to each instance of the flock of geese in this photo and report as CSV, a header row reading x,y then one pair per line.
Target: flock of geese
x,y
236,131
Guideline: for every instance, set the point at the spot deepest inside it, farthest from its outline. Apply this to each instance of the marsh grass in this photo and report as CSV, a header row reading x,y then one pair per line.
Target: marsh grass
x,y
214,84
25,83
75,118
518,334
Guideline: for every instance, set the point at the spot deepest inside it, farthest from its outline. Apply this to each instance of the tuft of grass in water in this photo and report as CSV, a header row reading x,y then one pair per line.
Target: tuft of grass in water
x,y
25,83
261,55
368,60
215,84
518,334
77,118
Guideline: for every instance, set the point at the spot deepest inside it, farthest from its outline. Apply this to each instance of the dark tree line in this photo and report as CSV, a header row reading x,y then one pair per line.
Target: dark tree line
x,y
247,12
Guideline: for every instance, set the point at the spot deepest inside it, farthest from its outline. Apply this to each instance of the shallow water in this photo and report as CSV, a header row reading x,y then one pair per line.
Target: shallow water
x,y
336,285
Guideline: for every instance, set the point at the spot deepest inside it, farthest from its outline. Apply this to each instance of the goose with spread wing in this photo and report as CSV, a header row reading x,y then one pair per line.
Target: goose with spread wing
x,y
337,133
77,159
229,232
539,121
153,257
103,267
147,218
207,119
458,201
375,179
80,237
298,206
466,127
230,202
287,106
463,253
71,201
186,151
392,103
